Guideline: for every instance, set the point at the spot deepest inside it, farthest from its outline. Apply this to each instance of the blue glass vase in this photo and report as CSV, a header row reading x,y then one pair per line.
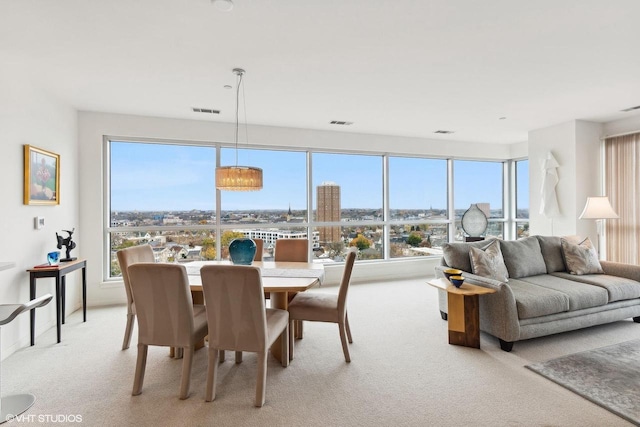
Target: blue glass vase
x,y
242,251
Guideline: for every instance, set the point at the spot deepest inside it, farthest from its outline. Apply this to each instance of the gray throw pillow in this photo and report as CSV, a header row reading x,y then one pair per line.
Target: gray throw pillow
x,y
552,253
488,262
581,258
456,255
523,257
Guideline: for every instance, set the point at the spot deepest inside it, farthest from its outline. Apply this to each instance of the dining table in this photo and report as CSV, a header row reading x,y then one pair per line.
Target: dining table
x,y
280,279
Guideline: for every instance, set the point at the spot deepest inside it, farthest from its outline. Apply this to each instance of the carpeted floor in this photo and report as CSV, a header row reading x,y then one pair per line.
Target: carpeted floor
x,y
403,373
608,376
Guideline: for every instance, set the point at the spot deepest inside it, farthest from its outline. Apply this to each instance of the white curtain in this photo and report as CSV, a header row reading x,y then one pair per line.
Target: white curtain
x,y
622,185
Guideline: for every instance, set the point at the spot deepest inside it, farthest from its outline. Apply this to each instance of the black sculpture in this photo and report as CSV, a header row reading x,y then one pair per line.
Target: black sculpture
x,y
67,243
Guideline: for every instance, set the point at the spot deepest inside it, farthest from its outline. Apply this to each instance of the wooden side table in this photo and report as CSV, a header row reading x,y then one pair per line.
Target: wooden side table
x,y
464,311
59,272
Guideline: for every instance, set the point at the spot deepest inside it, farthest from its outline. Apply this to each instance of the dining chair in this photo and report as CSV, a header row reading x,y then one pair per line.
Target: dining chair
x,y
127,257
166,316
322,307
238,320
259,249
292,250
295,250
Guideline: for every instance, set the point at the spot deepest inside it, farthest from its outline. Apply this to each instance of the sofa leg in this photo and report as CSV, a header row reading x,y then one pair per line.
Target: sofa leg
x,y
443,315
506,345
636,319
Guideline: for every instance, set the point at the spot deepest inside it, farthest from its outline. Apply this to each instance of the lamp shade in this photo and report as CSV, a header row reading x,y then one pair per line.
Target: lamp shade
x,y
238,178
598,208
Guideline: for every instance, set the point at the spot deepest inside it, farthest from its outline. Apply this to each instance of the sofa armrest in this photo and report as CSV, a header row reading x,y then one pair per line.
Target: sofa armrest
x,y
629,271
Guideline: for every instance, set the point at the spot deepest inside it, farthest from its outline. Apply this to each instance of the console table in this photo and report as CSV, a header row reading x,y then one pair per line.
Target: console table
x,y
59,272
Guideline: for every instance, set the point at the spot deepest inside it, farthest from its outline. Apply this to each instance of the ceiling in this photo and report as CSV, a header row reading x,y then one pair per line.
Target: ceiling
x,y
489,70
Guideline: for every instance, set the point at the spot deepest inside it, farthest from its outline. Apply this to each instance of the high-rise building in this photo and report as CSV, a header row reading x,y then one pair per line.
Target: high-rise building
x,y
329,210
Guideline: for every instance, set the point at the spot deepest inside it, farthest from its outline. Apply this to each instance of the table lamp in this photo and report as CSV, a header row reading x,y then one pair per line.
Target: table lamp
x,y
598,208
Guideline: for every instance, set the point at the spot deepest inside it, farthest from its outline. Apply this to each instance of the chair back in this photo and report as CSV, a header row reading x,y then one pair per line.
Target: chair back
x,y
293,250
259,249
163,304
346,279
127,257
236,314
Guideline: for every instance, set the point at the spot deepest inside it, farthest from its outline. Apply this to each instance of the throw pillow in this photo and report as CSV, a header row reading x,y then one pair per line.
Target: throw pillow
x,y
581,258
488,262
456,255
523,257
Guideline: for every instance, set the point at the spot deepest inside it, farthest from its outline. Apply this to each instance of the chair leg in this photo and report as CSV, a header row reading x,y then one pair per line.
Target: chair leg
x,y
128,330
346,325
179,352
238,357
212,369
298,329
221,356
262,377
345,345
291,339
286,346
186,371
141,364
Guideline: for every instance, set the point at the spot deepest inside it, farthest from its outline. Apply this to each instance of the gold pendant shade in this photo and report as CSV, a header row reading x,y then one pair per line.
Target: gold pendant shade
x,y
238,178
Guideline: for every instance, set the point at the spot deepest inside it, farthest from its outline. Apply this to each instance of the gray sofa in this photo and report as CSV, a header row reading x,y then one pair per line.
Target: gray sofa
x,y
540,297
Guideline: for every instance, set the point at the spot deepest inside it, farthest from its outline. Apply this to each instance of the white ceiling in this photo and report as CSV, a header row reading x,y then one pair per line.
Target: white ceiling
x,y
394,67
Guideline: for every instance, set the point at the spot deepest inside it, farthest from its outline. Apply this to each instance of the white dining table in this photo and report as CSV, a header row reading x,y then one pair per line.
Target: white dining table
x,y
281,279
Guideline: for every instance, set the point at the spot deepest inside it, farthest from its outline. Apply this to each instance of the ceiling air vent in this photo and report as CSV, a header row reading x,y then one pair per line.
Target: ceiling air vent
x,y
443,131
340,122
205,110
626,110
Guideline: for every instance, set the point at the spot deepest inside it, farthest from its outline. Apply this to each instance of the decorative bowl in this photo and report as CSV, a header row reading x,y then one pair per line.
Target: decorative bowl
x,y
456,281
452,272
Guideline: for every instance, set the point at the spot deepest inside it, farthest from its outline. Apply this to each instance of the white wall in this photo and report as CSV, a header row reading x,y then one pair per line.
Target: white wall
x,y
29,115
93,126
576,145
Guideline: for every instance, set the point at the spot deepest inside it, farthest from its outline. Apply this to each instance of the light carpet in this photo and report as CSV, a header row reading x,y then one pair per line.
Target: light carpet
x,y
608,376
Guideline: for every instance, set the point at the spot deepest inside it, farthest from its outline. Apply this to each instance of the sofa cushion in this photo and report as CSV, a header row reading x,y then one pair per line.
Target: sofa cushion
x,y
535,301
488,262
523,257
551,253
580,295
456,255
580,258
618,288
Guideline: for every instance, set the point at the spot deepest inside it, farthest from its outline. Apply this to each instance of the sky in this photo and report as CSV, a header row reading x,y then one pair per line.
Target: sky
x,y
167,177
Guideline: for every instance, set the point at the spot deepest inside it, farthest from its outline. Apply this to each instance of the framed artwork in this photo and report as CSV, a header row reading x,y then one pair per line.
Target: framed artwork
x,y
41,177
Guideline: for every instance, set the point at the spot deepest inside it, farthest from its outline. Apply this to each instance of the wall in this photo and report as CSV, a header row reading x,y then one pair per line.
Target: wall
x,y
92,127
576,147
28,115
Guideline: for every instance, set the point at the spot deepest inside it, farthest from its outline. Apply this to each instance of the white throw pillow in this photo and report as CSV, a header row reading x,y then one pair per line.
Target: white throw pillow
x,y
581,258
488,262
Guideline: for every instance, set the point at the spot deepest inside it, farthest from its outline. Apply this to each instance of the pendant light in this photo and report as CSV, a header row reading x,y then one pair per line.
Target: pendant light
x,y
238,178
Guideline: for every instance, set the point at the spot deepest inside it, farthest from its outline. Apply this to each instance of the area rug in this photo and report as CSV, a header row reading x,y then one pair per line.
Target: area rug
x,y
608,376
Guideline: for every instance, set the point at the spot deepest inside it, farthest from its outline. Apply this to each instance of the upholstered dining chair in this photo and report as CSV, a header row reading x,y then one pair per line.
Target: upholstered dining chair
x,y
322,307
292,250
259,249
238,320
127,257
166,316
295,250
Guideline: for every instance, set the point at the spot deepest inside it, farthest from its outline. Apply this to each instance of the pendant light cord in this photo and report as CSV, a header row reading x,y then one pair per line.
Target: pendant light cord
x,y
238,111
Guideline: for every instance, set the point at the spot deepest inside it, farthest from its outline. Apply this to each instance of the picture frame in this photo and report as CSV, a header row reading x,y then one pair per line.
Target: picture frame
x,y
41,176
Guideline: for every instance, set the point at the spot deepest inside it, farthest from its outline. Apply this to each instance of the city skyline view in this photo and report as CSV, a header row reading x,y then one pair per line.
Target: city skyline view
x,y
166,177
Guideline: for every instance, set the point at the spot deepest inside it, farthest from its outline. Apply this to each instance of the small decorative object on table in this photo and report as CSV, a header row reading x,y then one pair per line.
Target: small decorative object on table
x,y
242,251
53,257
474,221
68,244
456,281
452,272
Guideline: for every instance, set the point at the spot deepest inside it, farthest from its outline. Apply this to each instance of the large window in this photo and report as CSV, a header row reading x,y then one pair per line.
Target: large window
x,y
417,206
480,183
388,207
